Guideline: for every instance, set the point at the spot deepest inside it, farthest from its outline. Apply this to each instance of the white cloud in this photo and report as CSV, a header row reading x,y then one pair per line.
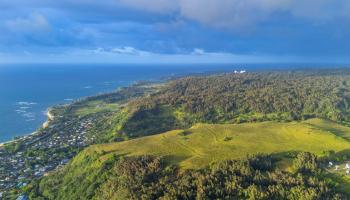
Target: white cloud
x,y
33,23
198,51
131,51
98,51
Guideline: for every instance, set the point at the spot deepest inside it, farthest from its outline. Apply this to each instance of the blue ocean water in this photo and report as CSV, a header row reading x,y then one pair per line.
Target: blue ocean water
x,y
26,91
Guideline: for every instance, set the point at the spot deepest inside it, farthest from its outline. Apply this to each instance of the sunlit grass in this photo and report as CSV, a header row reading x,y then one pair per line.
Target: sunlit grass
x,y
96,106
206,143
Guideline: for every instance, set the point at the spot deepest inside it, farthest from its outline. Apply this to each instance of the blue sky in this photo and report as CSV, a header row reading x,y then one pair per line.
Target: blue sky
x,y
177,31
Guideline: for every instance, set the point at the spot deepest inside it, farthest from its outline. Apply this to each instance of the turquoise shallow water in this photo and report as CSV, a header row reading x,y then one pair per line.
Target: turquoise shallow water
x,y
26,91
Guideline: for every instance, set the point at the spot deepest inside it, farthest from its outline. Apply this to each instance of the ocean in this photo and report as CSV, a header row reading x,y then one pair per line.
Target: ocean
x,y
27,91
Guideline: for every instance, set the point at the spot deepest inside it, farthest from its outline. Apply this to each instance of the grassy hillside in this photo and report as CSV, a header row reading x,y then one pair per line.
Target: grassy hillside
x,y
91,172
205,143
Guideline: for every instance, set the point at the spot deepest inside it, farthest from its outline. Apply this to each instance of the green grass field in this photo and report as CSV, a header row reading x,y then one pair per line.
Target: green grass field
x,y
206,143
93,107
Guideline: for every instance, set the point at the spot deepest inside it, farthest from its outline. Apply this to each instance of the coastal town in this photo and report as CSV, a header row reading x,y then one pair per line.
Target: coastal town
x,y
35,155
50,148
69,129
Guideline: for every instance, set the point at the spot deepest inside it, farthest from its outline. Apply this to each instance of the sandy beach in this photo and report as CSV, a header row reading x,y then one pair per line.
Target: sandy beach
x,y
50,117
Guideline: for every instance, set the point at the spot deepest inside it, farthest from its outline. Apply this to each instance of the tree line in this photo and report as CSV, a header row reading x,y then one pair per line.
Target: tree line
x,y
148,177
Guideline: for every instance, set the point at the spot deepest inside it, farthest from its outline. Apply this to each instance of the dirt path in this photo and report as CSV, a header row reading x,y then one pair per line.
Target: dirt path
x,y
194,151
213,134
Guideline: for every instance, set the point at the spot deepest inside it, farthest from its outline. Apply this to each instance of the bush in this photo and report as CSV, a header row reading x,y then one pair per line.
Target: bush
x,y
305,163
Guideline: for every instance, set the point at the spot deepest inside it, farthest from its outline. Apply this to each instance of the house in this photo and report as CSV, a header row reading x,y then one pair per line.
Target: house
x,y
22,197
336,167
330,164
64,161
20,185
347,166
37,173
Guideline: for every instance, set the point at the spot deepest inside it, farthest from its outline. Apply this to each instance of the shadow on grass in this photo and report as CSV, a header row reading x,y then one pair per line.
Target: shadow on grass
x,y
338,132
174,159
185,133
340,156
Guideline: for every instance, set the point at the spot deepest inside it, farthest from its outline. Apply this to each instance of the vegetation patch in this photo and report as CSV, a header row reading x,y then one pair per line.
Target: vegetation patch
x,y
149,177
207,144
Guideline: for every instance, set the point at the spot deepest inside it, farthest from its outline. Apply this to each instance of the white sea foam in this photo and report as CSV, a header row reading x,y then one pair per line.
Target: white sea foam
x,y
20,111
24,107
28,115
109,82
25,103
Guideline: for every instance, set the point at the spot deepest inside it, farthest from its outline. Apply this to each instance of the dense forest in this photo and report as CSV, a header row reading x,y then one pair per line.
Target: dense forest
x,y
149,177
237,98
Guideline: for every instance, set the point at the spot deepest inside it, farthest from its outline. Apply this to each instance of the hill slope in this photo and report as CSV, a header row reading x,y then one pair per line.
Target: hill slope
x,y
205,143
91,171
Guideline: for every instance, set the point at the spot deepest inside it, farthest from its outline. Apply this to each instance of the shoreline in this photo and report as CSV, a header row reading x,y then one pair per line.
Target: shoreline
x,y
50,117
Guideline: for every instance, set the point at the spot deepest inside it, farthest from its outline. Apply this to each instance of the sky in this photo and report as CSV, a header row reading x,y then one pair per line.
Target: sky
x,y
174,31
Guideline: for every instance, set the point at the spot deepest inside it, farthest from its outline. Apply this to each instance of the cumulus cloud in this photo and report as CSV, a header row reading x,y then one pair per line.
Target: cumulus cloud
x,y
35,22
122,51
129,51
139,27
198,51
